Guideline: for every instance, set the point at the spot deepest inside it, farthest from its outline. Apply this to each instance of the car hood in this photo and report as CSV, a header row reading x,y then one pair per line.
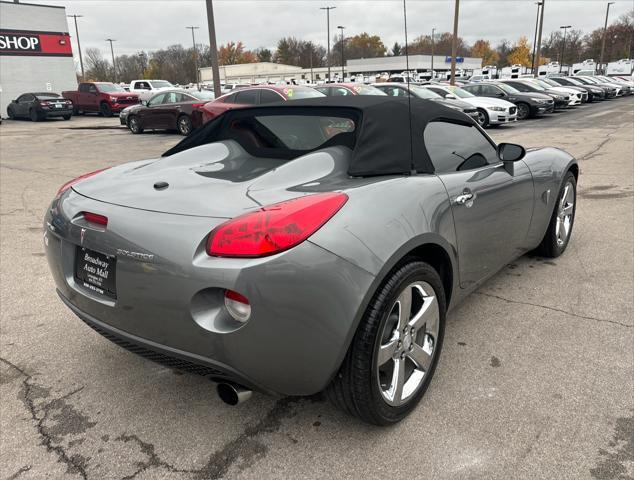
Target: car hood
x,y
217,180
122,94
485,102
527,96
450,102
566,90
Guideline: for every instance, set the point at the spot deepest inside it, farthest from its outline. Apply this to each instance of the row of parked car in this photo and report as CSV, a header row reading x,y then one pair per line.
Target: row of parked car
x,y
493,102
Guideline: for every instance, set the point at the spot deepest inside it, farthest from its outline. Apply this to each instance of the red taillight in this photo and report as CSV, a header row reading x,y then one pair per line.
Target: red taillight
x,y
69,184
95,218
275,228
198,106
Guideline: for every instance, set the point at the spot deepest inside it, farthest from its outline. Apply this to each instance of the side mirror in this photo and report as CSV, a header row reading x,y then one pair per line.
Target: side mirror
x,y
510,153
500,94
144,102
451,96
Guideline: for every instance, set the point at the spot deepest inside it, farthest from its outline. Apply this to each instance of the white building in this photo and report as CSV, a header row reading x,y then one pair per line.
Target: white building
x,y
264,72
35,51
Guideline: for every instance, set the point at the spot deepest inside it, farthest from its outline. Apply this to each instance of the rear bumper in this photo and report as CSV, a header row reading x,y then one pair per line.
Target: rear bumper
x,y
58,112
305,301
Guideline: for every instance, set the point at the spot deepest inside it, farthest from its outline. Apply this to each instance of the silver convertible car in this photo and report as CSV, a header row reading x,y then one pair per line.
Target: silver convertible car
x,y
308,246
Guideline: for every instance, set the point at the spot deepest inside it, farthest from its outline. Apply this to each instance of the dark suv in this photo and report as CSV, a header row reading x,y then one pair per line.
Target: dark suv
x,y
528,104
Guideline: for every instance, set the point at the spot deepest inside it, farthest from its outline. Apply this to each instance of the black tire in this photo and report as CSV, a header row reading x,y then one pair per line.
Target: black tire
x,y
105,109
355,388
483,118
134,124
551,246
184,125
10,113
34,116
66,117
523,111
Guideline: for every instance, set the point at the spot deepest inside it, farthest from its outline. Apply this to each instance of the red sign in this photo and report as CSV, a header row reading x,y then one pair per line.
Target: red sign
x,y
33,43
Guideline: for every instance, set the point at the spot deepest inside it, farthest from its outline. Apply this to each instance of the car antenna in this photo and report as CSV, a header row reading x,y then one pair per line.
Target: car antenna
x,y
409,95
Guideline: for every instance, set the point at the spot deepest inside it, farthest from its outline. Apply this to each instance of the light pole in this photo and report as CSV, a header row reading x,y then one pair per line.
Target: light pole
x,y
114,65
192,28
433,31
605,29
539,4
538,46
343,73
213,48
454,43
563,46
328,33
81,60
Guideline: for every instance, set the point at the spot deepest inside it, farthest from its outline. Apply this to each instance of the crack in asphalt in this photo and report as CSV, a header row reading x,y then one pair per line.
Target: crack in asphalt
x,y
554,309
22,470
593,152
74,463
242,451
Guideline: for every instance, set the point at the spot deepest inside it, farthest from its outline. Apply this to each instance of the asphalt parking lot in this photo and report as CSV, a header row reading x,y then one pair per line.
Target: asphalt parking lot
x,y
536,380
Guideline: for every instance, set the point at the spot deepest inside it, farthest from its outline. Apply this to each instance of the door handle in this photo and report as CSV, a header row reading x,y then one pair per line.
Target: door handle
x,y
464,199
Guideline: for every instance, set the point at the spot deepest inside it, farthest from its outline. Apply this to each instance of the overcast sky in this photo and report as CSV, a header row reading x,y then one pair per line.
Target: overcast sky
x,y
153,24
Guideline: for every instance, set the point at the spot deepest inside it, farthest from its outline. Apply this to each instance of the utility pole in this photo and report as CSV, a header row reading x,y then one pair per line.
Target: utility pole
x,y
563,46
539,40
343,40
433,31
605,30
114,65
328,33
454,43
213,47
81,60
192,28
539,4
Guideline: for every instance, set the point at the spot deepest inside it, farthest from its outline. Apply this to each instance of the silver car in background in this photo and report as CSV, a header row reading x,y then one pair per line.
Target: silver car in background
x,y
306,246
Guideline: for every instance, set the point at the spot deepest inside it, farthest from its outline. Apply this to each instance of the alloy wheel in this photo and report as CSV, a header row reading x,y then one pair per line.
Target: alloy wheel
x,y
522,111
408,343
184,125
482,119
133,123
565,212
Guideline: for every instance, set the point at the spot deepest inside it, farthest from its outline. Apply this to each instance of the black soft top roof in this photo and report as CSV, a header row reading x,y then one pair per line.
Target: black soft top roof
x,y
383,142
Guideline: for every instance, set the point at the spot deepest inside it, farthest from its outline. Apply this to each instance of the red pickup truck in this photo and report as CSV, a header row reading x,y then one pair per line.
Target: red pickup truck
x,y
101,97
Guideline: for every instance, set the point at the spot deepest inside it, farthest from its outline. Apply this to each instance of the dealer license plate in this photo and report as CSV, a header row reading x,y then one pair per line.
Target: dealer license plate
x,y
96,271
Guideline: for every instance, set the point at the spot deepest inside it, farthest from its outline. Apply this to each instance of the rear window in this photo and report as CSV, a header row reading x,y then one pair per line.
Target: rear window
x,y
47,96
291,135
367,90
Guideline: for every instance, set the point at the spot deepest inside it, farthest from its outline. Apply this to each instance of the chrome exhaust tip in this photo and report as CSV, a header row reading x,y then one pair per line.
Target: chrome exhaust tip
x,y
232,394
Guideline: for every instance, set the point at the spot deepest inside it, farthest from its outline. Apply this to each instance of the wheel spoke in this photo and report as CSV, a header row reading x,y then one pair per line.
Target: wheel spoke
x,y
567,210
404,307
398,381
427,315
420,357
386,351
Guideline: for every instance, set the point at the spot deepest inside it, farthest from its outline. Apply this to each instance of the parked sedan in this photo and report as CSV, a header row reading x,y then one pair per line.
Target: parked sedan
x,y
344,89
594,91
246,253
169,110
40,105
403,90
561,100
611,91
528,104
491,111
577,95
257,96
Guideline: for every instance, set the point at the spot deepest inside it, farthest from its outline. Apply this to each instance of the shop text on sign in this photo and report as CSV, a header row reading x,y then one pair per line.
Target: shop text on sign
x,y
35,43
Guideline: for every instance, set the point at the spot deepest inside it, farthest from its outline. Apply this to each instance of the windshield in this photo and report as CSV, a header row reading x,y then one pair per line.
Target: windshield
x,y
549,82
109,87
534,86
459,92
422,92
507,88
161,84
301,93
543,83
202,95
